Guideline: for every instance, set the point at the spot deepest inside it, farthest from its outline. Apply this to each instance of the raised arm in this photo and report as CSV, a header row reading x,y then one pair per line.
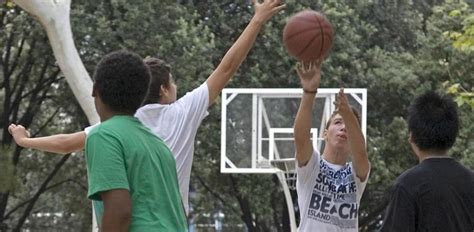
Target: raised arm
x,y
239,50
310,76
360,160
60,143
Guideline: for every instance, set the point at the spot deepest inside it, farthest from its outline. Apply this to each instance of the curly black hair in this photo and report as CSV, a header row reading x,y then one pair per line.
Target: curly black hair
x,y
122,80
433,122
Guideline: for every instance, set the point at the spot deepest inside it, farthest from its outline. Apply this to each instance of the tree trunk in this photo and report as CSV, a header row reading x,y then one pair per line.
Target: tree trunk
x,y
54,16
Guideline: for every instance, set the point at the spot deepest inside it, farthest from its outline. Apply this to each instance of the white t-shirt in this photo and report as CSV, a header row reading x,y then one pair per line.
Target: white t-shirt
x,y
177,125
328,196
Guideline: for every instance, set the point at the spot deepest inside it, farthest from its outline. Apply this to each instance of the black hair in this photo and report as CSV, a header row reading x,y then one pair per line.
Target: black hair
x,y
433,122
160,75
122,80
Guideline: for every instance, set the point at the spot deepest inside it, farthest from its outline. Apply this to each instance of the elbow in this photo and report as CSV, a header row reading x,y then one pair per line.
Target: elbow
x,y
64,148
301,136
125,216
66,144
227,69
117,221
301,131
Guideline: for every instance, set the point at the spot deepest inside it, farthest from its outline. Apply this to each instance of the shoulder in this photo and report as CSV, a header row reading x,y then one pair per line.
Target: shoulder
x,y
199,94
409,174
411,179
114,127
150,107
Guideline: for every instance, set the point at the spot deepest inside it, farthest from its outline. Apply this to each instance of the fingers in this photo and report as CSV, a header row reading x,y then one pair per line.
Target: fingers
x,y
17,129
314,65
307,66
342,95
11,127
273,2
319,62
341,102
272,6
280,7
303,67
298,69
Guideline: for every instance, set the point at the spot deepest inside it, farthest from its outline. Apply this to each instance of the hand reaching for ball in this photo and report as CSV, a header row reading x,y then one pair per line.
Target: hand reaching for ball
x,y
310,75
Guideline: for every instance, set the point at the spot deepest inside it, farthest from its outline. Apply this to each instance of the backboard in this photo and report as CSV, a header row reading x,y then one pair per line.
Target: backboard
x,y
257,125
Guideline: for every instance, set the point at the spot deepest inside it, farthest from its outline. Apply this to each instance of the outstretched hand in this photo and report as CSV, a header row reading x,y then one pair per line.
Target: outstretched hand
x,y
266,9
310,75
342,104
18,132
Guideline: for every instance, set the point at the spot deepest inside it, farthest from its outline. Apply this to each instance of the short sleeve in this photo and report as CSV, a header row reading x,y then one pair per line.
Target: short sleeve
x,y
306,172
360,184
400,214
196,102
105,165
88,129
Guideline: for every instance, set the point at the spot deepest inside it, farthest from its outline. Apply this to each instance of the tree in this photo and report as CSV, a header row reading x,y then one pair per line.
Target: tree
x,y
35,95
395,58
32,93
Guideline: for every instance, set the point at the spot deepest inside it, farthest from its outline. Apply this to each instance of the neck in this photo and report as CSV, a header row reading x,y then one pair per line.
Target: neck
x,y
335,156
164,101
107,115
422,155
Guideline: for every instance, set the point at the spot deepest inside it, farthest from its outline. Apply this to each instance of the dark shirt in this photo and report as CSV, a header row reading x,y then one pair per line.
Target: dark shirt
x,y
435,195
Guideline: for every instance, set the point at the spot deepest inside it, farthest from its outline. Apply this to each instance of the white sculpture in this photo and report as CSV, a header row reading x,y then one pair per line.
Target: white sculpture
x,y
54,17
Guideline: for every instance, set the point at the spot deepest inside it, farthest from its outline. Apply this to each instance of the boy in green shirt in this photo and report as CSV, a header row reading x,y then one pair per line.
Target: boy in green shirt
x,y
129,168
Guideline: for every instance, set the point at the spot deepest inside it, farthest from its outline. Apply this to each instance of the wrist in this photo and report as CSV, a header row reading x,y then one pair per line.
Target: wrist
x,y
20,141
258,20
307,91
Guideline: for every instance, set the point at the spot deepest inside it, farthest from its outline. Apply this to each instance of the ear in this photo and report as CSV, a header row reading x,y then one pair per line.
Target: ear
x,y
410,139
94,91
325,134
163,91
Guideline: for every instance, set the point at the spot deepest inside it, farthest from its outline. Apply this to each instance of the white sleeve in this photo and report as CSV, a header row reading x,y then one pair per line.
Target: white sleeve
x,y
360,185
196,103
311,169
89,128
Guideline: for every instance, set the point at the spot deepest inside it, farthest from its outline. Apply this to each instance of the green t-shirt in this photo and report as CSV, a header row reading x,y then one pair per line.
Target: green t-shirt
x,y
121,153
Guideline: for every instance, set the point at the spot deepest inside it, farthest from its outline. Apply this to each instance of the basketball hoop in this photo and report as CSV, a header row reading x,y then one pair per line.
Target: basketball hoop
x,y
288,168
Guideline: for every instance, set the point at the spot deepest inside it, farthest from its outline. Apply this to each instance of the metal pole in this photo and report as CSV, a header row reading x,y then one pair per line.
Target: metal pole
x,y
289,200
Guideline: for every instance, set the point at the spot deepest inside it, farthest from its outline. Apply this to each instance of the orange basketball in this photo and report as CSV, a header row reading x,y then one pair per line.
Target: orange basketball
x,y
308,36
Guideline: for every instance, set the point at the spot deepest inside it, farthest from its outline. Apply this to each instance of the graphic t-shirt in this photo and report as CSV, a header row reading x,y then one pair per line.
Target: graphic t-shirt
x,y
328,196
122,153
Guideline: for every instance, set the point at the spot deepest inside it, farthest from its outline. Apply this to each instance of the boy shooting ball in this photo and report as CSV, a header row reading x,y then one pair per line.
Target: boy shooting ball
x,y
329,187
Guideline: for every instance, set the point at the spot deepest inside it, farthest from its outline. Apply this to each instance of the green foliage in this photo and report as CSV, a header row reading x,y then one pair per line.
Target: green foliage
x,y
395,49
9,3
462,96
462,37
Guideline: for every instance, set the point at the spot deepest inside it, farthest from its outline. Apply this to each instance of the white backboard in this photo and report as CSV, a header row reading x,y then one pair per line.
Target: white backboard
x,y
257,125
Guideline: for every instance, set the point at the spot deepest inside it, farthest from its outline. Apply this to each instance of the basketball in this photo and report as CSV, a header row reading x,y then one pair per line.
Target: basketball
x,y
308,36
